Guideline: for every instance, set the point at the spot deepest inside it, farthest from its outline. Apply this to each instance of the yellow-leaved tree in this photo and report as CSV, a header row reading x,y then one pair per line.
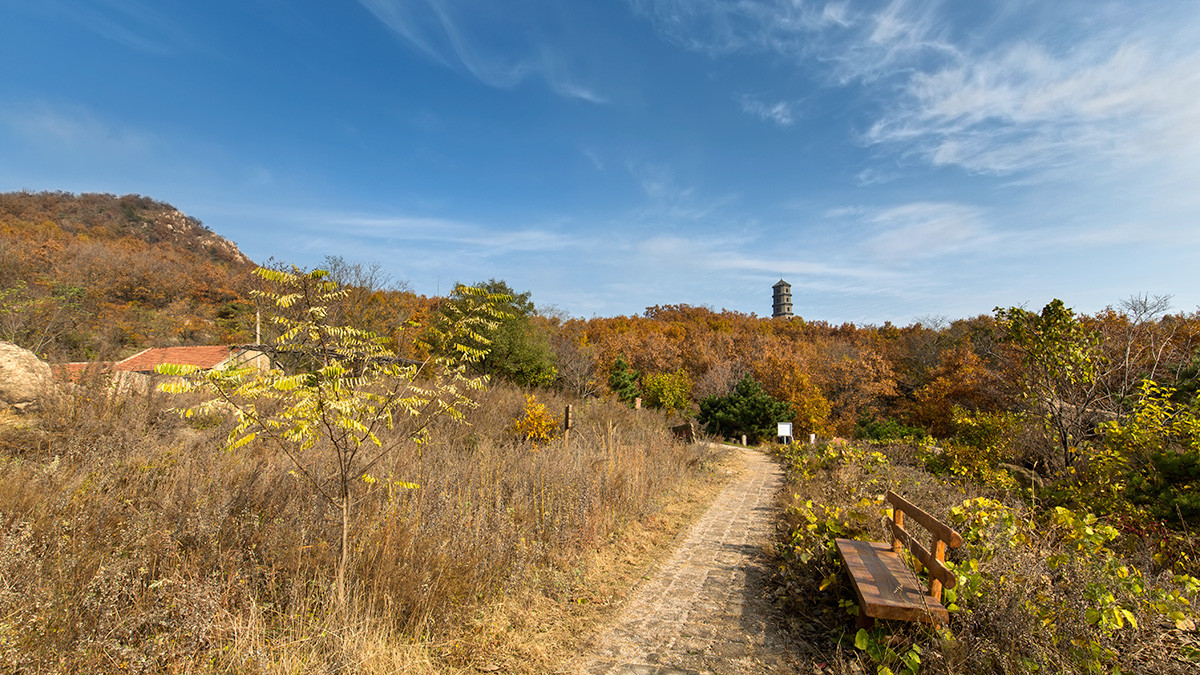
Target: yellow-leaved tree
x,y
336,401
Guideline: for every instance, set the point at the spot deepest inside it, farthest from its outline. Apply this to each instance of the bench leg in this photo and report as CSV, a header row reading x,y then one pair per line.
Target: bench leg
x,y
864,621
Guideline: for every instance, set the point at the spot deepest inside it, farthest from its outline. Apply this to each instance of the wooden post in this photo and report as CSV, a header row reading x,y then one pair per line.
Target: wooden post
x,y
938,547
897,524
567,429
637,403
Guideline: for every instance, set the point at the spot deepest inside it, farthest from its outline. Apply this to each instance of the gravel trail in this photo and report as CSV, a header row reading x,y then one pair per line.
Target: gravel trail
x,y
704,610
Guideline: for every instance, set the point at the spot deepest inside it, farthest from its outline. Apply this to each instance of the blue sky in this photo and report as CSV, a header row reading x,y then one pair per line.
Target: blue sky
x,y
891,160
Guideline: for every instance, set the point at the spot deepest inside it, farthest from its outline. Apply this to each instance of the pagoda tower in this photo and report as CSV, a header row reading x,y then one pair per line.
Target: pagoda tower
x,y
782,307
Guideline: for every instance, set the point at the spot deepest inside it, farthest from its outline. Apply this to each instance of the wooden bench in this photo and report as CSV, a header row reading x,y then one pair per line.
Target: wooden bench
x,y
887,588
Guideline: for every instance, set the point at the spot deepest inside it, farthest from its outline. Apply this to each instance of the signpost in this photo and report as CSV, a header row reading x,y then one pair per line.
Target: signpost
x,y
785,432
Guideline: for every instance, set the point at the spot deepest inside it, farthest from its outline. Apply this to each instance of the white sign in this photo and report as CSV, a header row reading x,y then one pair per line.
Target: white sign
x,y
785,429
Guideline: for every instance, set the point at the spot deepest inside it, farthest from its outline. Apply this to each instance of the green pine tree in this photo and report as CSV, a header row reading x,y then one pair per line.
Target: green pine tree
x,y
746,410
622,380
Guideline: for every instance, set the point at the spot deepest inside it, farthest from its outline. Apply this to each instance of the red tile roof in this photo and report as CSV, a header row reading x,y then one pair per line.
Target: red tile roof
x,y
76,370
201,357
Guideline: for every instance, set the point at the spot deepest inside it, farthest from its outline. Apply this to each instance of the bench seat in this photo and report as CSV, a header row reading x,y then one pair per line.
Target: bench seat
x,y
886,586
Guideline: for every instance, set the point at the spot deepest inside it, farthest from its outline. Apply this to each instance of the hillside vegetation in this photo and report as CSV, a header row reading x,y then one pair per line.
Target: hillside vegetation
x,y
97,275
138,540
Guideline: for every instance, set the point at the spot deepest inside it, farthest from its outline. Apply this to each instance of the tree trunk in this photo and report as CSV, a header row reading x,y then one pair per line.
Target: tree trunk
x,y
343,563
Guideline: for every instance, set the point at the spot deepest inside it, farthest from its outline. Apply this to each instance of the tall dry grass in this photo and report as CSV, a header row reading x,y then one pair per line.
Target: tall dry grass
x,y
133,542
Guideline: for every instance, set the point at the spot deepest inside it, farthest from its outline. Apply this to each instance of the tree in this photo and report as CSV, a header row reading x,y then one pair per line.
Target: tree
x,y
347,402
746,410
575,358
517,350
668,390
1061,357
787,380
622,380
960,380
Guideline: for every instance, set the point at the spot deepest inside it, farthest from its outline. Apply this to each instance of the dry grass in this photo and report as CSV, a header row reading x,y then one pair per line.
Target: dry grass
x,y
131,542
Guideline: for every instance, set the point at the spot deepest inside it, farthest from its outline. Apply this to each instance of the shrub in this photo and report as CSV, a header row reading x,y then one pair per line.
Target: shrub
x,y
536,425
872,429
668,390
1156,451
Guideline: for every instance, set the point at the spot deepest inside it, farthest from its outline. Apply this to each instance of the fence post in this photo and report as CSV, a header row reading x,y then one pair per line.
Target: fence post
x,y
567,429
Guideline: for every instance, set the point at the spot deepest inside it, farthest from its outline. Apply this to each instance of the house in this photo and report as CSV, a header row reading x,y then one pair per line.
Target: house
x,y
135,371
213,357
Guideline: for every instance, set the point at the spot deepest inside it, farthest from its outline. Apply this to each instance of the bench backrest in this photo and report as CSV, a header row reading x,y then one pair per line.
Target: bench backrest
x,y
933,558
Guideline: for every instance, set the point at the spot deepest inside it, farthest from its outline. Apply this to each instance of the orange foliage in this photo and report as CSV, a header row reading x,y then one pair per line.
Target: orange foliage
x,y
960,379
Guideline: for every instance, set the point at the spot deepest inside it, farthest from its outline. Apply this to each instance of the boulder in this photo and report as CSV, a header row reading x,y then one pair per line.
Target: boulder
x,y
1026,478
24,378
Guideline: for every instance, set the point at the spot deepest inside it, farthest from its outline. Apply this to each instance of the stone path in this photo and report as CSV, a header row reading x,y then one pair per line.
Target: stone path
x,y
704,611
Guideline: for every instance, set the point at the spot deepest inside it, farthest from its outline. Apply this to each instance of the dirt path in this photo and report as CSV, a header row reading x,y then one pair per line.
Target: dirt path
x,y
703,611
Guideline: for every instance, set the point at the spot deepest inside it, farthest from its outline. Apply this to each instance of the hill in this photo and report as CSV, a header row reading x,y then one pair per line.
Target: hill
x,y
95,275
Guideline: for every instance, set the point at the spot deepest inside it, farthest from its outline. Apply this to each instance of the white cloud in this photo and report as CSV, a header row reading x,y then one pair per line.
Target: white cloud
x,y
916,230
782,113
75,131
458,37
485,240
992,88
1024,108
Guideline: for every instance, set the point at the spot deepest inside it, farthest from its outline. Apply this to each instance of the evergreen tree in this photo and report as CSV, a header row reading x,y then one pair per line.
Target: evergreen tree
x,y
622,380
746,410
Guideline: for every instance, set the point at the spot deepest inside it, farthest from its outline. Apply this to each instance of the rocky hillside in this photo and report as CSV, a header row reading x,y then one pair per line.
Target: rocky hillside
x,y
96,275
108,217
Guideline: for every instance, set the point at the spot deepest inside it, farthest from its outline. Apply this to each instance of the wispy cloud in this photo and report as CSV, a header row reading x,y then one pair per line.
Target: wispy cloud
x,y
490,44
482,239
132,23
997,90
1028,109
76,131
920,230
782,113
667,203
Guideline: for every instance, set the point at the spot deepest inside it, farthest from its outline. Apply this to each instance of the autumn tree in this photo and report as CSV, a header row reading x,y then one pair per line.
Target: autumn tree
x,y
347,402
788,380
671,391
576,358
1061,358
1139,341
855,379
961,379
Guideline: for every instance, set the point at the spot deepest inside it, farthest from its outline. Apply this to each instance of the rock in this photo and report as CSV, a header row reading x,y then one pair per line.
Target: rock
x,y
24,378
1026,478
